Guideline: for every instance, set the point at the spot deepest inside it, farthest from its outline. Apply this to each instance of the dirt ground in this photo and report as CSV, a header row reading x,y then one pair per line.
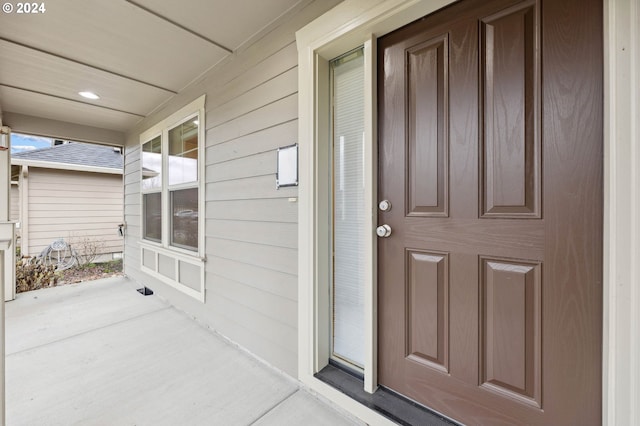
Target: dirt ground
x,y
92,272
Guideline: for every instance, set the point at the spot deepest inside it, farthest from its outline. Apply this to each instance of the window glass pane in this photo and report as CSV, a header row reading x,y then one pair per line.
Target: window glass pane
x,y
349,207
183,152
15,173
184,218
152,164
152,205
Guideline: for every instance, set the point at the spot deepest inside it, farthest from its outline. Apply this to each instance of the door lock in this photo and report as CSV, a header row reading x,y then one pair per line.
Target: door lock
x,y
383,231
384,206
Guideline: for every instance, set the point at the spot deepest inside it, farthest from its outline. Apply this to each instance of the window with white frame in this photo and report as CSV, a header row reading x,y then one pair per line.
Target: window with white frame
x,y
171,181
182,161
152,189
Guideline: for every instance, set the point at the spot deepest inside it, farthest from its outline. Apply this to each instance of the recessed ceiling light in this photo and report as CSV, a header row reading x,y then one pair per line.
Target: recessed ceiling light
x,y
89,95
196,122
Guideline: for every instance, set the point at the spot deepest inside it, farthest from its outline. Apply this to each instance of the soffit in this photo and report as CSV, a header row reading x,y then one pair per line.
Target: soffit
x,y
36,105
230,23
136,54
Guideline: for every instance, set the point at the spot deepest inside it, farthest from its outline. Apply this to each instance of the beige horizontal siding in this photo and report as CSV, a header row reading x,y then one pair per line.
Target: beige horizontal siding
x,y
132,178
132,156
108,244
133,231
264,303
265,140
270,91
96,180
260,164
248,74
261,210
89,228
278,283
261,326
74,205
132,211
14,204
249,188
55,179
133,258
70,217
106,235
278,112
254,331
250,225
279,259
277,234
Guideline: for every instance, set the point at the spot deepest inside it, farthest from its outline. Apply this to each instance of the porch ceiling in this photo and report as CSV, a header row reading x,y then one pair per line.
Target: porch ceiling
x,y
135,54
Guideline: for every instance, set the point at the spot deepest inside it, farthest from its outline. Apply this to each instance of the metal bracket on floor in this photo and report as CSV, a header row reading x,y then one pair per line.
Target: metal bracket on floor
x,y
145,291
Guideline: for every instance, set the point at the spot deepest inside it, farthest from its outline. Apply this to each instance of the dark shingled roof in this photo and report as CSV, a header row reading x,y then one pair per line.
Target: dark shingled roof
x,y
76,153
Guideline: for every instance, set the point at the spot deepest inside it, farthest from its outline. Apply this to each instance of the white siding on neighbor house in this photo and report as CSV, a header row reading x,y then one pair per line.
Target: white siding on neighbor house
x,y
250,226
14,205
67,204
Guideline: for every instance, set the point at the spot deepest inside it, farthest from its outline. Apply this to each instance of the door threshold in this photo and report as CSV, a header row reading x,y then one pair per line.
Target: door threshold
x,y
385,402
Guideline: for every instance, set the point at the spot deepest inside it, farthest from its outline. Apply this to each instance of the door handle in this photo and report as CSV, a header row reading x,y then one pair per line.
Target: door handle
x,y
384,206
383,231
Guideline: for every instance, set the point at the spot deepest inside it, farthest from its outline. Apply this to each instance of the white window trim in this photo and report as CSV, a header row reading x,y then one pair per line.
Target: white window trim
x,y
194,109
357,22
177,258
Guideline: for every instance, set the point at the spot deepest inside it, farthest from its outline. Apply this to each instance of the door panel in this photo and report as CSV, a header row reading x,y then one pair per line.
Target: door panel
x,y
490,124
427,308
510,328
510,73
427,93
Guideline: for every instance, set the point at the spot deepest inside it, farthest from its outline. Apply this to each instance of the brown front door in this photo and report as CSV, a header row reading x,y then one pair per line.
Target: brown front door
x,y
490,284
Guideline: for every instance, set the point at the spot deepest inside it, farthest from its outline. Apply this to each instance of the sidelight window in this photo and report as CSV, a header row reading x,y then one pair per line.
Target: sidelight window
x,y
349,208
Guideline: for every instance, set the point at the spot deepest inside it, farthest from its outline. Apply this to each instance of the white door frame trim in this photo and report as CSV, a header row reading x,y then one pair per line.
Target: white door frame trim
x,y
355,23
621,294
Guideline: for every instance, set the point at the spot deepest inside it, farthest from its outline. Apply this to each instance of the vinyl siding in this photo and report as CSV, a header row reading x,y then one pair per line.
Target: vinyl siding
x,y
68,204
14,205
250,226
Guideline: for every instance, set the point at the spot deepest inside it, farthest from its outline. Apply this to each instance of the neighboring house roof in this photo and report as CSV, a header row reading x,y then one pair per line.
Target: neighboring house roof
x,y
73,156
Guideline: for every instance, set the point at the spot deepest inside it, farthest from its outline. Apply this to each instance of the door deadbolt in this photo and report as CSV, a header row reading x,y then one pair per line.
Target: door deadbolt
x,y
385,205
383,231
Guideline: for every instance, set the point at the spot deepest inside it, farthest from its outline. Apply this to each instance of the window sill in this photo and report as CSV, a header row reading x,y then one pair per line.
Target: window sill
x,y
183,254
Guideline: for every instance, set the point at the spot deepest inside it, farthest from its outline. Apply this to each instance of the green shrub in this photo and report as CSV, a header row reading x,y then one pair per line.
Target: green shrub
x,y
32,274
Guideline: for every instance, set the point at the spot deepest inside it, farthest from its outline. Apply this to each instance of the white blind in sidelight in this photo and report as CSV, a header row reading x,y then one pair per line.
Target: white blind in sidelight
x,y
348,207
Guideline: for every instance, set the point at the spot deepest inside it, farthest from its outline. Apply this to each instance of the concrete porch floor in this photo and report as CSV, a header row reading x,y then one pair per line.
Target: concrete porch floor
x,y
99,353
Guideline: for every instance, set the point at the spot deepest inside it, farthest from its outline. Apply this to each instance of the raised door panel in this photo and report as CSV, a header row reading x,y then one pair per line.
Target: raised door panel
x,y
511,328
427,127
510,84
427,294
